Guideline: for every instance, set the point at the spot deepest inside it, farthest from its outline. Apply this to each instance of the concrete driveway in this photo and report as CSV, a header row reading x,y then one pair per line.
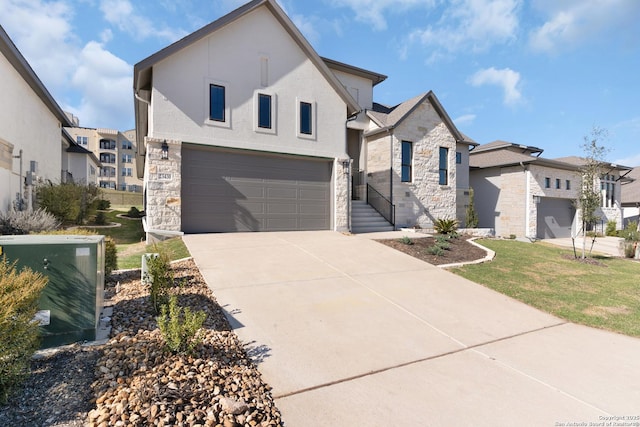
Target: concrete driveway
x,y
350,332
609,246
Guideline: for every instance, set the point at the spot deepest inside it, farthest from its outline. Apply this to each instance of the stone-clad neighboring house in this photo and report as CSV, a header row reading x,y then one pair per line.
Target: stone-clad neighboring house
x,y
239,132
631,197
518,192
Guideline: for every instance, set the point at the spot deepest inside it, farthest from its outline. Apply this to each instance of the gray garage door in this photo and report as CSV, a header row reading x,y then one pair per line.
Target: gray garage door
x,y
555,217
226,191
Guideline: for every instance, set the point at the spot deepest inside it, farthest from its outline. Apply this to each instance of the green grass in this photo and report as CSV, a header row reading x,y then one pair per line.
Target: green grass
x,y
130,256
605,296
129,238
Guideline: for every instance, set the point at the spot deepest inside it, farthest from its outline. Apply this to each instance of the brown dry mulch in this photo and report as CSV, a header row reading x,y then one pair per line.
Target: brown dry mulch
x,y
460,249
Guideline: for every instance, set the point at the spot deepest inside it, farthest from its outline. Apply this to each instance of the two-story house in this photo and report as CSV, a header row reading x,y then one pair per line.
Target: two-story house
x,y
243,133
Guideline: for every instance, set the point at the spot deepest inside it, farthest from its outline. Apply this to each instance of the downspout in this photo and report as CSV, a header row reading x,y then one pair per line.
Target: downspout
x,y
350,118
391,174
527,213
141,99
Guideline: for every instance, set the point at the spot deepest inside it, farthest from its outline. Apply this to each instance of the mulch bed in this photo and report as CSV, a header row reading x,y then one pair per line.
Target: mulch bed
x,y
460,249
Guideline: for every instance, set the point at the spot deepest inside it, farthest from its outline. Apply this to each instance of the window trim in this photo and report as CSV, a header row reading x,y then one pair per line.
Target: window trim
x,y
256,112
226,123
441,169
403,144
314,124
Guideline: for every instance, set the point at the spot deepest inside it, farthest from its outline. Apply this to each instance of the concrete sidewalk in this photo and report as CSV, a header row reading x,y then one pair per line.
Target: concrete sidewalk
x,y
609,246
350,332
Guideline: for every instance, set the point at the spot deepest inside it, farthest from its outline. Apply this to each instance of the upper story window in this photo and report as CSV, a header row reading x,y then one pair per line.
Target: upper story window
x,y
107,158
126,171
568,184
264,111
107,144
407,161
217,103
444,166
126,145
306,118
547,183
127,158
458,158
557,183
608,187
82,140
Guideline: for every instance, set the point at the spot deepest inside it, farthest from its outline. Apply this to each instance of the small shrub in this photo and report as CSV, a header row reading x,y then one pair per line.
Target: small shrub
x,y
630,249
454,235
19,294
442,239
472,219
435,250
179,327
159,278
406,241
25,222
512,236
102,204
445,226
101,218
134,212
631,233
444,245
69,202
611,228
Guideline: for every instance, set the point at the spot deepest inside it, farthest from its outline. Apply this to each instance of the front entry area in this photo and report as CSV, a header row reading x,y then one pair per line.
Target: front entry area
x,y
226,190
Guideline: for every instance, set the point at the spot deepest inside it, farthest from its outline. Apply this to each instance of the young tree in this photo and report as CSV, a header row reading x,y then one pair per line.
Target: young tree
x,y
589,195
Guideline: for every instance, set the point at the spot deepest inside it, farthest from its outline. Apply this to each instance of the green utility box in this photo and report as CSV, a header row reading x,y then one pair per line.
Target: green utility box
x,y
71,302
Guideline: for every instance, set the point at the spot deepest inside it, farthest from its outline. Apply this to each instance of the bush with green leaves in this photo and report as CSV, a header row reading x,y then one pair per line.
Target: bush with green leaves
x,y
179,326
445,225
19,294
631,237
102,204
69,202
26,222
101,218
406,241
435,250
472,219
134,213
611,228
159,277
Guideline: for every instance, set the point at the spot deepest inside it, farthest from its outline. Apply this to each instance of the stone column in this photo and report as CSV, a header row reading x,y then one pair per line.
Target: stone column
x,y
342,199
163,184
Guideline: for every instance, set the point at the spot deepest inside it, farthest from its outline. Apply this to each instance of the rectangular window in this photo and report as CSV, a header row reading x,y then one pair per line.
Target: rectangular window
x,y
217,103
568,185
547,183
82,140
557,184
444,166
306,118
264,111
126,145
458,158
126,158
407,160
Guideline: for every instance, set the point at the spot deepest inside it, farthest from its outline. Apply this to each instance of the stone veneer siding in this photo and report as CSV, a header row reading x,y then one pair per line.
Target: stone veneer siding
x,y
379,162
342,196
163,185
423,200
537,185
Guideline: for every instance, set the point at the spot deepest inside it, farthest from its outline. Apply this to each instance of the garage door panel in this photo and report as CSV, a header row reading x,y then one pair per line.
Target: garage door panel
x,y
555,218
229,191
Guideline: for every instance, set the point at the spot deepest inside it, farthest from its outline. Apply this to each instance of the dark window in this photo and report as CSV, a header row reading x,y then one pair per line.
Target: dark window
x,y
568,185
407,158
216,103
107,144
306,112
444,169
547,183
557,184
264,111
458,158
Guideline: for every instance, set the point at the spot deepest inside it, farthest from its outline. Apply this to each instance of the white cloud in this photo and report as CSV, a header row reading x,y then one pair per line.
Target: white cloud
x,y
105,82
471,25
465,119
373,12
505,78
306,27
573,22
122,14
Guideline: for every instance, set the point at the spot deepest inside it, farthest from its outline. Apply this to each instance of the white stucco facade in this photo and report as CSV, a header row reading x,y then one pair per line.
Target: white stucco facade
x,y
20,109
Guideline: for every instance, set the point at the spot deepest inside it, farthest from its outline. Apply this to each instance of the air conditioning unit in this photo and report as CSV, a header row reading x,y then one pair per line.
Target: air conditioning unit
x,y
71,302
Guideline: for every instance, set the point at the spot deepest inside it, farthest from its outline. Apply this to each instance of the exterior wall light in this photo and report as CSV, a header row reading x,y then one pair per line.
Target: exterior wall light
x,y
165,150
345,166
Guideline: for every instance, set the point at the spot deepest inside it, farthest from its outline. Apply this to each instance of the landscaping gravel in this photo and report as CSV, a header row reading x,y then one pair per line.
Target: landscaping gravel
x,y
133,380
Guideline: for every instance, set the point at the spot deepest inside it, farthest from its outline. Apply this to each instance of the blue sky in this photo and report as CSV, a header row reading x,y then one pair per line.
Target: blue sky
x,y
533,72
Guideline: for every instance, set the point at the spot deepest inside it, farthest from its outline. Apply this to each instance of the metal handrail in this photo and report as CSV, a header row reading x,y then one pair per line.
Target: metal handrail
x,y
381,204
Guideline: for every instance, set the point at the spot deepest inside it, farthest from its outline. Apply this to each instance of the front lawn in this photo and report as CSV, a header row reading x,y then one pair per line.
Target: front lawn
x,y
604,293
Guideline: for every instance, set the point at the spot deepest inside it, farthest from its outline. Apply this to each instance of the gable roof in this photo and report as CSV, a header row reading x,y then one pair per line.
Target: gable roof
x,y
375,78
499,144
631,189
505,154
15,58
581,161
143,70
388,118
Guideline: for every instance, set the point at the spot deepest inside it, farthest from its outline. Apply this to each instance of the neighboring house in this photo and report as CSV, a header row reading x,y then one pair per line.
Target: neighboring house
x,y
518,192
115,151
245,133
83,166
631,197
28,154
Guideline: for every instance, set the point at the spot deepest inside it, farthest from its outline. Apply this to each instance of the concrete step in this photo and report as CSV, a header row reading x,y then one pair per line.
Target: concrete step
x,y
365,219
